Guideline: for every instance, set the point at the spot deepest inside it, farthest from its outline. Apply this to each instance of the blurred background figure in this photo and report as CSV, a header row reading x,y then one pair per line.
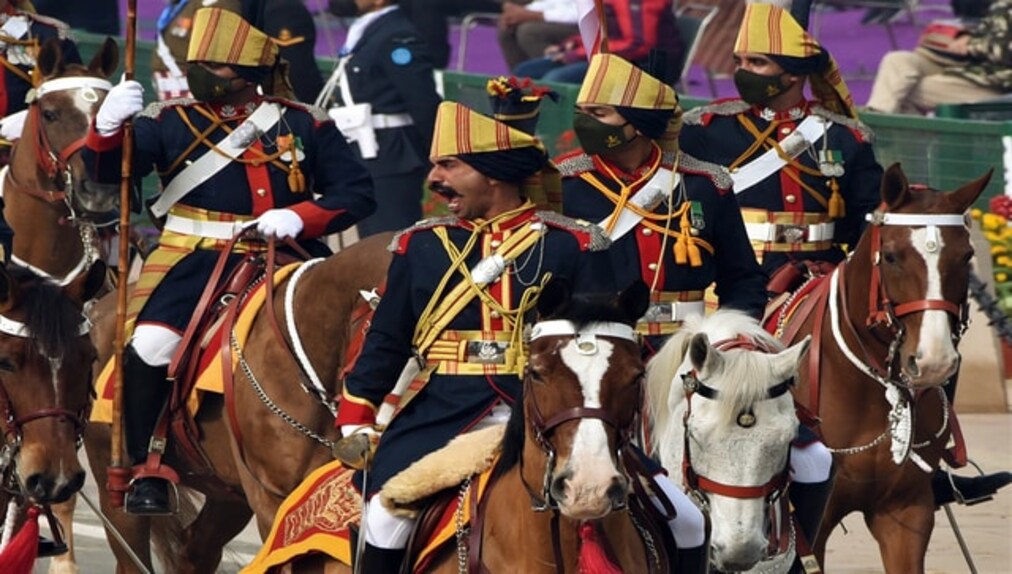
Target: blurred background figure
x,y
96,16
383,98
634,28
956,62
526,31
430,18
287,21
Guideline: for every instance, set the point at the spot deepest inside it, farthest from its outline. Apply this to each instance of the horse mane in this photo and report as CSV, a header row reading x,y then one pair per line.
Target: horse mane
x,y
751,376
50,316
582,309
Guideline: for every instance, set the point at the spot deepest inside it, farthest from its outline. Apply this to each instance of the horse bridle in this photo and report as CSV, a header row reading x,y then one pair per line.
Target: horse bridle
x,y
12,423
772,491
586,343
882,311
56,164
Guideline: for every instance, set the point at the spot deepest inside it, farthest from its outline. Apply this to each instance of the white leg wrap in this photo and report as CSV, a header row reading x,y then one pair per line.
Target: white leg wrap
x,y
155,344
811,463
384,530
689,527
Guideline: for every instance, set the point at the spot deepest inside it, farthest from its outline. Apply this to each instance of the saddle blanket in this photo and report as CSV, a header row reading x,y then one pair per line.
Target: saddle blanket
x,y
210,379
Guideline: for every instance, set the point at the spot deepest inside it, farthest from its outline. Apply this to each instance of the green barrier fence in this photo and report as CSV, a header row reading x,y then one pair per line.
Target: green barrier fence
x,y
940,152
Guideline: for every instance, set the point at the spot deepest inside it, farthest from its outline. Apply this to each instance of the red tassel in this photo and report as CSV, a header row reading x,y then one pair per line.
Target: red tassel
x,y
19,556
593,558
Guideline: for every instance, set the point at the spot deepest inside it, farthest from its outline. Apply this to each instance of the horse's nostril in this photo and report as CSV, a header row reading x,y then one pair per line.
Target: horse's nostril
x,y
69,489
39,487
558,489
912,369
617,492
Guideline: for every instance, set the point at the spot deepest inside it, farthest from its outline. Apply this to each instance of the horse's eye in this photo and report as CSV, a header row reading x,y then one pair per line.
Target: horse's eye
x,y
50,115
889,257
536,376
8,366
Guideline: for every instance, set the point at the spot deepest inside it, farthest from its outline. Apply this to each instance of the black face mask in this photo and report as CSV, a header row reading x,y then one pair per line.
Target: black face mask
x,y
343,8
757,89
205,86
597,137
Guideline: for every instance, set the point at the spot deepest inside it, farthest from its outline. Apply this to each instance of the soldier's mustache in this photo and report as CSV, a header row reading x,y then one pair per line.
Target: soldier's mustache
x,y
443,190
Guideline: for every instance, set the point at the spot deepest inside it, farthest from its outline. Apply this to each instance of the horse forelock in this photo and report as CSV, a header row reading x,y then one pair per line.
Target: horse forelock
x,y
51,317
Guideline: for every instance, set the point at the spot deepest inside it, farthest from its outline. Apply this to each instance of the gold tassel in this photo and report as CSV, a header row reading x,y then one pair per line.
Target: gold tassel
x,y
296,180
686,250
837,208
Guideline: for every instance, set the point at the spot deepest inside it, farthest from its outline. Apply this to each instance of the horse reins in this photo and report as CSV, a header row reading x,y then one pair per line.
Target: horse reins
x,y
772,491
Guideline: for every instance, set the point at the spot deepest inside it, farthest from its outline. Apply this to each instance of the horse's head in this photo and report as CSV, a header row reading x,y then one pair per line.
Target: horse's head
x,y
61,109
721,408
45,381
919,248
581,397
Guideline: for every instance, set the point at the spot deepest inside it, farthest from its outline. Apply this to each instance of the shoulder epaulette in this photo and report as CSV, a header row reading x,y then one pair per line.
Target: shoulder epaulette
x,y
62,28
718,174
319,114
400,241
155,109
857,126
727,107
590,236
574,163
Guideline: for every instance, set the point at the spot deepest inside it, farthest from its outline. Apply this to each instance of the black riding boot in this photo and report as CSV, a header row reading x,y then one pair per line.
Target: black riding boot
x,y
967,490
809,501
145,390
693,560
381,560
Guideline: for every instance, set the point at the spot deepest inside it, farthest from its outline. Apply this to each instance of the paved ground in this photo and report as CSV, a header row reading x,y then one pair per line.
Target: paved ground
x,y
986,527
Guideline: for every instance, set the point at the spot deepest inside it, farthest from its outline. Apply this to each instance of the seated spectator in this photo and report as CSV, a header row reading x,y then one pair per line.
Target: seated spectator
x,y
635,27
430,18
952,65
525,32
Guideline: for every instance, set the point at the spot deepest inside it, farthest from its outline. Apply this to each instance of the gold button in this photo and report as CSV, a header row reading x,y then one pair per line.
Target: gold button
x,y
652,267
494,314
790,198
495,243
261,192
648,232
785,130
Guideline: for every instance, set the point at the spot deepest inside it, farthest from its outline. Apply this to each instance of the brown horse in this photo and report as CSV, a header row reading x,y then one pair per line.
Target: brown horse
x,y
45,385
279,432
563,476
885,326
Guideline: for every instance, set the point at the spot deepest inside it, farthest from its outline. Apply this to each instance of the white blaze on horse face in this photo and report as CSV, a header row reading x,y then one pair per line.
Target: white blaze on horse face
x,y
591,467
936,356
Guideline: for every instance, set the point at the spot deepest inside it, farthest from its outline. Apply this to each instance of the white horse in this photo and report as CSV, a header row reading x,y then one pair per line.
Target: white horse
x,y
736,426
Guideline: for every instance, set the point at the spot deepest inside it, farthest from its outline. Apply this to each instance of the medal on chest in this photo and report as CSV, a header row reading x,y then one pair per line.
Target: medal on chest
x,y
831,162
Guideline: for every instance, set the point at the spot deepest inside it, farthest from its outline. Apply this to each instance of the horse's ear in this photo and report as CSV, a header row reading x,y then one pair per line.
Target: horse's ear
x,y
895,187
785,363
50,60
964,197
634,300
554,297
704,358
104,63
86,287
8,290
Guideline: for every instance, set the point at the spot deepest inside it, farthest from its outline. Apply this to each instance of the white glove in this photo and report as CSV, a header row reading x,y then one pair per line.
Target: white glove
x,y
123,101
348,430
280,223
12,126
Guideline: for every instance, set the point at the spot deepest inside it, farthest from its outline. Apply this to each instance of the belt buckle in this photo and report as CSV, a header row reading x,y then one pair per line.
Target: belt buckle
x,y
660,313
789,233
487,352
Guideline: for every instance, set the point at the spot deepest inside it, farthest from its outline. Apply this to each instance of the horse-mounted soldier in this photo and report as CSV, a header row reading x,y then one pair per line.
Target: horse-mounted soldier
x,y
22,33
804,170
227,158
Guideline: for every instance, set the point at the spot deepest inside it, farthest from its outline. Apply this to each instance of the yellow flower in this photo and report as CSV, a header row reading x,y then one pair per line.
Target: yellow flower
x,y
976,213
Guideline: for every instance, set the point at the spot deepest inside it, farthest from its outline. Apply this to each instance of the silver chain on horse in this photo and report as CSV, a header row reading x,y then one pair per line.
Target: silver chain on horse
x,y
462,530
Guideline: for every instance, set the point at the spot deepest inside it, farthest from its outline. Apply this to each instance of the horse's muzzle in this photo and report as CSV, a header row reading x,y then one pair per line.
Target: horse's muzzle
x,y
588,500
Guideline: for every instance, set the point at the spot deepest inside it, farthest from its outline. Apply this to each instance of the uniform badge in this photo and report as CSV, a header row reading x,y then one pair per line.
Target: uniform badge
x,y
401,56
284,142
696,215
831,162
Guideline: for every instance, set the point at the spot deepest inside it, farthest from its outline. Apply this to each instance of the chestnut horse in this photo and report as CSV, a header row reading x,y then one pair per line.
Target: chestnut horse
x,y
45,387
721,410
885,325
562,478
279,432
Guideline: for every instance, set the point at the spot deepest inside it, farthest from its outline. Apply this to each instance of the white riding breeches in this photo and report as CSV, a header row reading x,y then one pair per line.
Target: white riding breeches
x,y
155,344
811,463
689,526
